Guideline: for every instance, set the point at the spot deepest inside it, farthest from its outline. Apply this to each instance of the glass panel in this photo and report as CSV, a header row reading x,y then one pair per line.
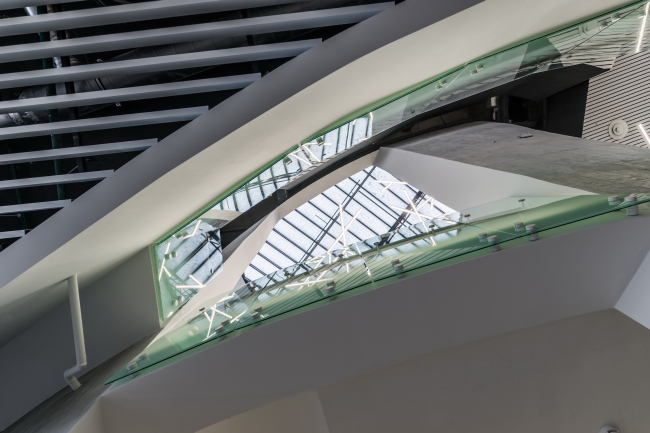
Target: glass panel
x,y
595,41
363,200
390,255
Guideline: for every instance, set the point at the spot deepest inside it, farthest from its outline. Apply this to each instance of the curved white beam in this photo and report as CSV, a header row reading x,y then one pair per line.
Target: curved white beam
x,y
164,186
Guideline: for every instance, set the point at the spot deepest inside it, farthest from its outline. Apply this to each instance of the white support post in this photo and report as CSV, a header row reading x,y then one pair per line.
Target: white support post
x,y
78,332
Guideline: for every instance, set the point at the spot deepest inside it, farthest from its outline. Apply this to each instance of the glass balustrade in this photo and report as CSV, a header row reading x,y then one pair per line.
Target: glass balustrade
x,y
378,261
190,257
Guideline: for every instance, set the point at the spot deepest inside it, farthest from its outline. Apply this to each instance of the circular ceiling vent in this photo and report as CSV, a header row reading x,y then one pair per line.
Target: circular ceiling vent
x,y
589,29
618,129
608,429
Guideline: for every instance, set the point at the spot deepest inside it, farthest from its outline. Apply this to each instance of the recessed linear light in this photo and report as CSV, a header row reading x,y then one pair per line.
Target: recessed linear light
x,y
199,285
644,133
388,184
295,155
310,152
412,212
643,24
343,230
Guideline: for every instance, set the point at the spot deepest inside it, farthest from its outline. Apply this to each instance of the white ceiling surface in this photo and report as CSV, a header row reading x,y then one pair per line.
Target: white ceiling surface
x,y
170,181
570,376
583,271
465,185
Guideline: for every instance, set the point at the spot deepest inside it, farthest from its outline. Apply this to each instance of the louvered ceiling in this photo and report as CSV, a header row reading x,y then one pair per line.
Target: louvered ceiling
x,y
104,80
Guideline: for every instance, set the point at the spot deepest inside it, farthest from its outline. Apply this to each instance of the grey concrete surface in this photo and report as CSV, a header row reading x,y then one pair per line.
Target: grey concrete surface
x,y
60,413
594,166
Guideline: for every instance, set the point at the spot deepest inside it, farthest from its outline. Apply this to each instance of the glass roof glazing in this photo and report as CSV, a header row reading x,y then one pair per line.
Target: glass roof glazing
x,y
366,205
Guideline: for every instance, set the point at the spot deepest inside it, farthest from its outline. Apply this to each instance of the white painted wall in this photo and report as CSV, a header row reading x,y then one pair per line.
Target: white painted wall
x,y
118,310
569,376
301,413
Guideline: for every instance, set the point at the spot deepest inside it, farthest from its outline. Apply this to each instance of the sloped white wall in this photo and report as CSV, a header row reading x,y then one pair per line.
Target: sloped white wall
x,y
118,310
301,413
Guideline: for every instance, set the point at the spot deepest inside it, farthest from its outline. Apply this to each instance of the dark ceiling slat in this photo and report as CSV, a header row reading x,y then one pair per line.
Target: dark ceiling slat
x,y
76,152
101,123
157,64
55,180
32,207
15,4
129,94
195,32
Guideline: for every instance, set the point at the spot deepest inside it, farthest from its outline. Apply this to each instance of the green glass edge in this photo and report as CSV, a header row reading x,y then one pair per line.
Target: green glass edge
x,y
368,109
224,196
578,219
170,233
154,272
295,310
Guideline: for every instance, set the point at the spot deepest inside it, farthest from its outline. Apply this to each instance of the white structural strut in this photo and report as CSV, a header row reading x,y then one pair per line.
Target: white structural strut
x,y
15,4
55,180
129,94
77,152
12,234
197,32
99,123
156,64
78,332
119,14
32,207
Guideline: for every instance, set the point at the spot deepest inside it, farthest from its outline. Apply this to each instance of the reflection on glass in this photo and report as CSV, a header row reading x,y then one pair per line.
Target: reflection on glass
x,y
366,204
598,41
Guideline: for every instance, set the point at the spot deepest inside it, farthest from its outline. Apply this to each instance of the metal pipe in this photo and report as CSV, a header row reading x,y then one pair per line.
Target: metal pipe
x,y
53,115
78,332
